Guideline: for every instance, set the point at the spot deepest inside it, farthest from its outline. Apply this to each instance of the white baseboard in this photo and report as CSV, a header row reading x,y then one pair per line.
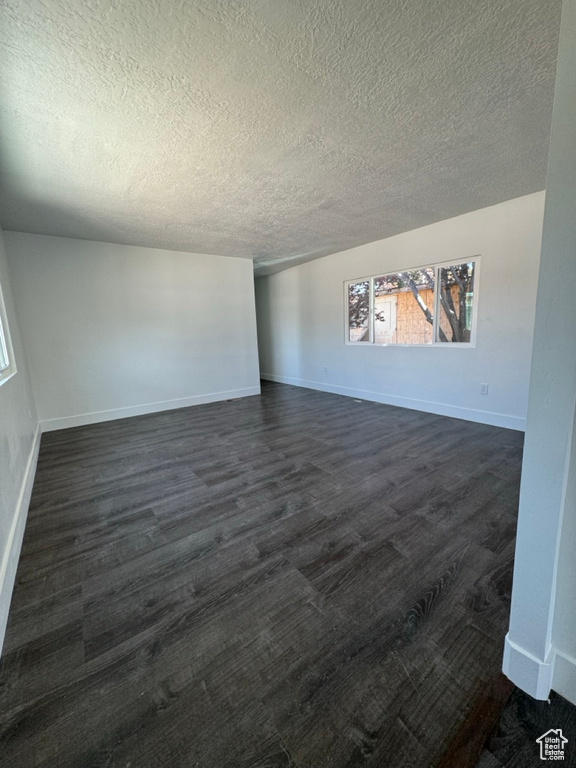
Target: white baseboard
x,y
564,677
11,554
532,675
442,409
80,420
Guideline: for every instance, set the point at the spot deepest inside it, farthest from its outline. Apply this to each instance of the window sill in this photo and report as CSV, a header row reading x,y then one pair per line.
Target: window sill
x,y
436,345
7,375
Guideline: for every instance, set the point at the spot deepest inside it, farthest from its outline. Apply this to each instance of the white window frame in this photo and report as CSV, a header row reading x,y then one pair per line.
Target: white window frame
x,y
6,344
370,281
436,266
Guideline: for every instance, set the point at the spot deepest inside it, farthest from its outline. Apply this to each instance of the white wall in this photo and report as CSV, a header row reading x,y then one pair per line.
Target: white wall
x,y
18,452
116,330
301,319
541,644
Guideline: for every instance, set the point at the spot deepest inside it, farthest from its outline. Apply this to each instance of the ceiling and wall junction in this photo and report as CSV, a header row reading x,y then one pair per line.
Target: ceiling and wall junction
x,y
271,130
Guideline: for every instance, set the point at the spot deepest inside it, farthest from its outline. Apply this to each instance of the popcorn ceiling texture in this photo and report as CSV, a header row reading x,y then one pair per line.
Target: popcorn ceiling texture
x,y
274,130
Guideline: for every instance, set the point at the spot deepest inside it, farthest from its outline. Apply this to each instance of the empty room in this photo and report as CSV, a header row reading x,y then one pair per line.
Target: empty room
x,y
287,383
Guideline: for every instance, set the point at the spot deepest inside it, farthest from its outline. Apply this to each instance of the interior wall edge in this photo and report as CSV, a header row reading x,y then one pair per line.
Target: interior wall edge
x,y
83,419
441,409
564,676
11,554
531,674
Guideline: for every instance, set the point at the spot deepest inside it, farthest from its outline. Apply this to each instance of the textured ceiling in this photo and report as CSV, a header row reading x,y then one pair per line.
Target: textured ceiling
x,y
277,130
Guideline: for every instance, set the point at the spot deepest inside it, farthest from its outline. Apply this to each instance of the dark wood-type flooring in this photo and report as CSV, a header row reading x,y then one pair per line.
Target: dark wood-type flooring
x,y
294,579
513,743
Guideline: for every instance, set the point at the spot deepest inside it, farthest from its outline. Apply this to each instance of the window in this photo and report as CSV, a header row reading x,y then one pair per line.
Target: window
x,y
404,307
359,311
456,303
7,367
431,305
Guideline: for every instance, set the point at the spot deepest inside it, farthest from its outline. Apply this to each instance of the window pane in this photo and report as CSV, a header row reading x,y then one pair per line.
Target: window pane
x,y
404,306
456,302
3,352
359,311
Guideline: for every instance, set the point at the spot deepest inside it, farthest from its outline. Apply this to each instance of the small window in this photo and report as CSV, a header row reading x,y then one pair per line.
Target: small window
x,y
432,305
404,307
359,311
456,303
7,367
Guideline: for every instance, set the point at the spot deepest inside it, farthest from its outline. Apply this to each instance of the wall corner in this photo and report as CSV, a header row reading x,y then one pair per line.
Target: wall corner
x,y
532,675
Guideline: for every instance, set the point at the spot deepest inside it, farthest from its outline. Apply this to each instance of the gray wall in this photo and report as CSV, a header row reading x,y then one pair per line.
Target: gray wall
x,y
301,319
541,643
117,330
18,450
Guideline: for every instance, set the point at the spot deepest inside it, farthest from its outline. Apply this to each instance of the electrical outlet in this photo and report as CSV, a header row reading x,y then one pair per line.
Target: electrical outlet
x,y
325,370
483,389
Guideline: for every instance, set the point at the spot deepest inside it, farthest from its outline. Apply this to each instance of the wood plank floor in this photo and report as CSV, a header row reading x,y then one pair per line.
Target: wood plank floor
x,y
513,743
295,579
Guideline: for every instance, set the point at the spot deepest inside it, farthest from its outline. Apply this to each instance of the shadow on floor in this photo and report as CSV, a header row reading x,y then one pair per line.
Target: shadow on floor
x,y
513,743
